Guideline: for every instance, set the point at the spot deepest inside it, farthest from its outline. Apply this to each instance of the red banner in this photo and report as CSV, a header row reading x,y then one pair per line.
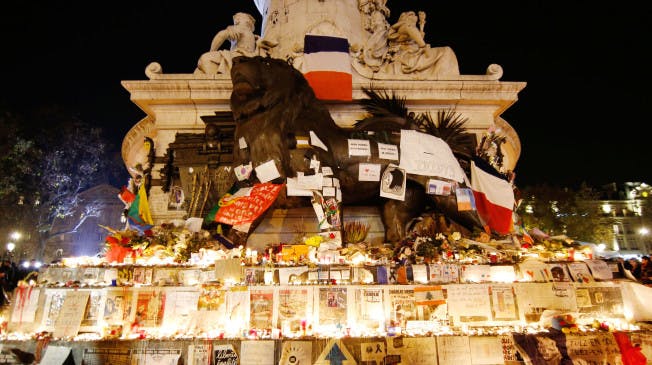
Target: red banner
x,y
245,209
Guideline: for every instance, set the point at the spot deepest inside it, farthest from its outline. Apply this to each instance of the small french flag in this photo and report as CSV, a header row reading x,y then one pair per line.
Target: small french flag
x,y
327,67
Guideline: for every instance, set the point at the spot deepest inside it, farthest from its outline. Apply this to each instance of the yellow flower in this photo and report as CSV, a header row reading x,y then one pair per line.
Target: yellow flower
x,y
314,241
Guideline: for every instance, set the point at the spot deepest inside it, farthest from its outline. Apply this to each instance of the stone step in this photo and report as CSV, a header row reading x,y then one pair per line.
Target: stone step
x,y
290,225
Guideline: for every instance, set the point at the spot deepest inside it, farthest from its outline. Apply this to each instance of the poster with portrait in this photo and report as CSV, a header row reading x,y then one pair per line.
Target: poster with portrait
x,y
332,304
117,306
402,305
392,183
149,307
557,272
211,309
579,272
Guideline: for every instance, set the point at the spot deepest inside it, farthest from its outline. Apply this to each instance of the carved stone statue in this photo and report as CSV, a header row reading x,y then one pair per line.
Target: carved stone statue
x,y
243,43
402,50
375,48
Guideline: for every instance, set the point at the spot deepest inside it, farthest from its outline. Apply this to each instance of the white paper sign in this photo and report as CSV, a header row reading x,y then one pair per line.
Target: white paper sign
x,y
162,356
388,151
469,303
257,353
326,171
359,147
600,269
368,172
310,182
486,350
242,143
454,350
293,188
193,224
580,272
425,154
267,171
71,314
199,354
55,355
315,141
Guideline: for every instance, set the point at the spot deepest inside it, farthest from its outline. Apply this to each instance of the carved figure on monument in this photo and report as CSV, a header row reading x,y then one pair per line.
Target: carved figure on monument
x,y
402,50
411,54
243,43
375,48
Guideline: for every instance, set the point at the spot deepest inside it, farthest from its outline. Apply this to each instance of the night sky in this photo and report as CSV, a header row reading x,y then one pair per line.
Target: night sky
x,y
583,116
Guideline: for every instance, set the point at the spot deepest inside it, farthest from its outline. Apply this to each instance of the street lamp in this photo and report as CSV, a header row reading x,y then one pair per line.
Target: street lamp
x,y
15,236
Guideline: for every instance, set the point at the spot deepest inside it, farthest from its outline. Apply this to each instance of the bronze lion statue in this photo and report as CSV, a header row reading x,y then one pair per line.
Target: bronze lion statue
x,y
274,106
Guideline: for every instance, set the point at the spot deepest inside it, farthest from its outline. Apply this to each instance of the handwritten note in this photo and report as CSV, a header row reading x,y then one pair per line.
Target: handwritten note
x,y
71,314
257,353
359,147
469,303
454,350
388,151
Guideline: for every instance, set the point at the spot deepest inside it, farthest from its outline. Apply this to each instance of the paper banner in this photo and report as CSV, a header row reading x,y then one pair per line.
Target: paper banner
x,y
425,154
246,209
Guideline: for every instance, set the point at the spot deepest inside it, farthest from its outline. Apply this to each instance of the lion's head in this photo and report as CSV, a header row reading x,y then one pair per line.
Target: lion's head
x,y
273,105
261,82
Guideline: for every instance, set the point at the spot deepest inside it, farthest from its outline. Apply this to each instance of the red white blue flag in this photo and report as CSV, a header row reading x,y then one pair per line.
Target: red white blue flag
x,y
327,67
494,197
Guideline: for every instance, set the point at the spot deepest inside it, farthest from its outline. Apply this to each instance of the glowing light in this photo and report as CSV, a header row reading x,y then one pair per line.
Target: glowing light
x,y
16,236
643,231
606,208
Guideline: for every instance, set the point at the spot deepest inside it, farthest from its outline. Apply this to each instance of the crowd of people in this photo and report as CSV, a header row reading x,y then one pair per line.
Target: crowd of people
x,y
640,269
10,275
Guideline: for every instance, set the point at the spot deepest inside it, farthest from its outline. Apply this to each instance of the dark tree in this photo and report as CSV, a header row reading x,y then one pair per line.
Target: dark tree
x,y
52,157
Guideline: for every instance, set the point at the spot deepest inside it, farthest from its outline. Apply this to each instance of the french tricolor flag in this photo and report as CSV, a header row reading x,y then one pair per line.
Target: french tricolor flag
x,y
494,197
327,67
